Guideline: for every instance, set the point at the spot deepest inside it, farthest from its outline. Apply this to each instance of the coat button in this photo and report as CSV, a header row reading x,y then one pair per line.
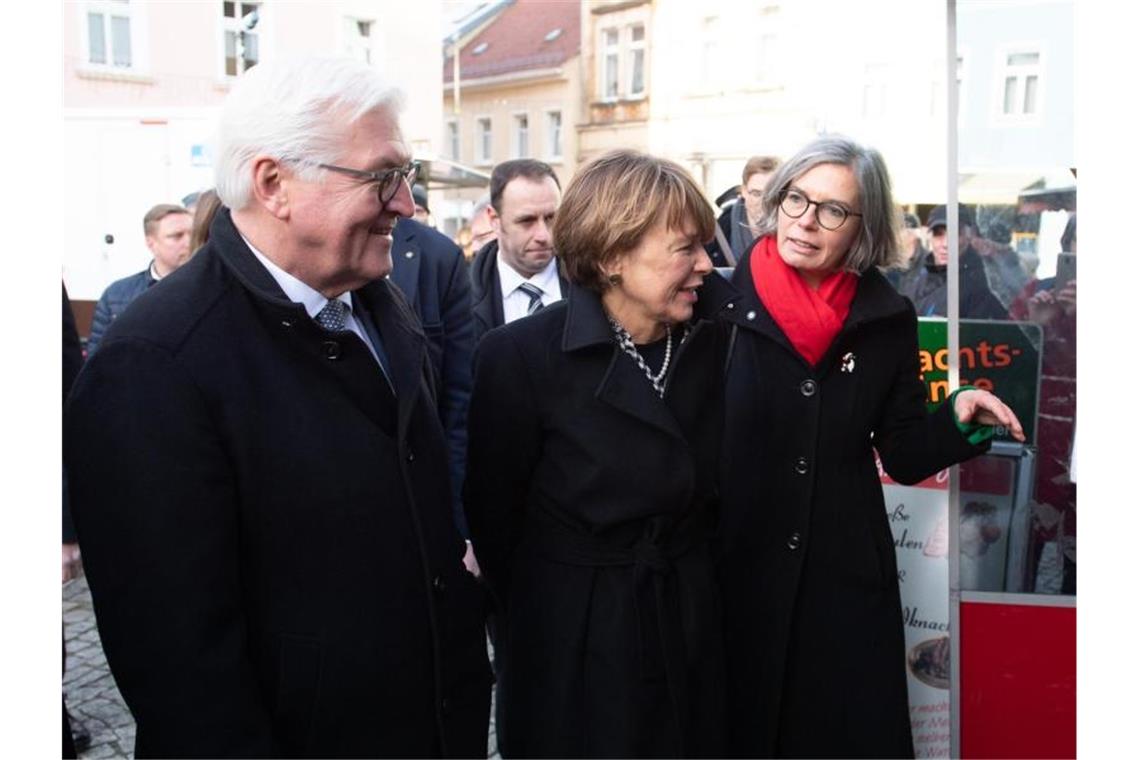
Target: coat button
x,y
445,706
731,306
410,255
801,466
807,387
286,323
438,584
411,456
750,315
331,349
794,540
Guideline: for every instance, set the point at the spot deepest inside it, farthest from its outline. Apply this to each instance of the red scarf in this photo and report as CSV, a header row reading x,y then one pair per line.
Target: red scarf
x,y
809,318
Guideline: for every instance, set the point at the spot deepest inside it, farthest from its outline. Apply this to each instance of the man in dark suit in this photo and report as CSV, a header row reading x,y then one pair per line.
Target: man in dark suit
x,y
258,473
430,271
517,273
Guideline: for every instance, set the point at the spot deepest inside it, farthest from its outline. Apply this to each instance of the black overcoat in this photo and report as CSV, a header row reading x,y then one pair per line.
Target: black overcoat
x,y
590,501
813,620
268,531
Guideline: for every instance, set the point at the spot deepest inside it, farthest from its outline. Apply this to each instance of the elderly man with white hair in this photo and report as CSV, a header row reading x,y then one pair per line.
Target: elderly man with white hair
x,y
257,470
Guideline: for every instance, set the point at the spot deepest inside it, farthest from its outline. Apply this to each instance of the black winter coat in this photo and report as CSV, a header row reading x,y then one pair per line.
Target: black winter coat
x,y
430,271
267,530
814,626
487,292
590,501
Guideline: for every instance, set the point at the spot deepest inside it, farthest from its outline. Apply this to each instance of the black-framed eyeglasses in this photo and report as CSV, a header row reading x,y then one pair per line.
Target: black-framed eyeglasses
x,y
387,182
829,214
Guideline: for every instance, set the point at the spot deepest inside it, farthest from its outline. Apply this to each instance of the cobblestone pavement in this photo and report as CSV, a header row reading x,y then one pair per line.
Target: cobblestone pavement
x,y
92,696
93,699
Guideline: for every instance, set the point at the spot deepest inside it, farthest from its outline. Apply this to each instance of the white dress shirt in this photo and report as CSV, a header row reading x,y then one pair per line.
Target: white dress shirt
x,y
313,301
515,301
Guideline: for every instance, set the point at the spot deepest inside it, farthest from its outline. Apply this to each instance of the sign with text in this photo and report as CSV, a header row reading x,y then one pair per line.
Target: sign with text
x,y
1001,357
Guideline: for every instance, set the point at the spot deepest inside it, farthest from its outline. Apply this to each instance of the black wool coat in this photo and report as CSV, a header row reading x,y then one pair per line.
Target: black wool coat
x,y
429,270
590,501
813,620
267,530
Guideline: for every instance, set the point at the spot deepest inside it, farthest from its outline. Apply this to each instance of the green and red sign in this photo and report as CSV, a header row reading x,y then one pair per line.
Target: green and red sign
x,y
1001,357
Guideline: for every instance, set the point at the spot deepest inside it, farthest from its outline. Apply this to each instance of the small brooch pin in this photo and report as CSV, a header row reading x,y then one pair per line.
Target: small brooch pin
x,y
847,363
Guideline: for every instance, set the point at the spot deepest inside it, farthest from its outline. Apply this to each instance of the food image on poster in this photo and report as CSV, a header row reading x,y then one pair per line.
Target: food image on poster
x,y
929,662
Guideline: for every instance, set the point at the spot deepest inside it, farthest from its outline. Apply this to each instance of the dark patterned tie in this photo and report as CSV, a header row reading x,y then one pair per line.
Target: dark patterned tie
x,y
535,294
332,316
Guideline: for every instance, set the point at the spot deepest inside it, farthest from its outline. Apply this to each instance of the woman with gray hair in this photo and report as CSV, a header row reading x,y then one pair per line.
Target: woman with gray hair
x,y
824,370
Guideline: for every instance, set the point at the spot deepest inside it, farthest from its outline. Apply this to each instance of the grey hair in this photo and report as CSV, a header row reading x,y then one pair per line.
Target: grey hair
x,y
295,111
876,244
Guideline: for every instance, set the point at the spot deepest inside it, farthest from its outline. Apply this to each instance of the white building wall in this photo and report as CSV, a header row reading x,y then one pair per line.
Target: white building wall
x,y
733,79
144,136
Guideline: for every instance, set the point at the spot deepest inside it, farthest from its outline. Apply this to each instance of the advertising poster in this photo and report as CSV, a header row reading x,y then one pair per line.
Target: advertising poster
x,y
918,517
1004,358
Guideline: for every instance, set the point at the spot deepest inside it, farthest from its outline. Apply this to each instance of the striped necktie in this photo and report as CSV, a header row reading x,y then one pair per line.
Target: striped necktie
x,y
535,294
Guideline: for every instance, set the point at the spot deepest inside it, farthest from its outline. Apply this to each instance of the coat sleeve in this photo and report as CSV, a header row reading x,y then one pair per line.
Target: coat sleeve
x,y
155,505
504,443
99,323
912,443
458,347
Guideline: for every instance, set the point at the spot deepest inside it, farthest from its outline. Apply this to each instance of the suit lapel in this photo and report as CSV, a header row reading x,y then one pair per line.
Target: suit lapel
x,y
404,343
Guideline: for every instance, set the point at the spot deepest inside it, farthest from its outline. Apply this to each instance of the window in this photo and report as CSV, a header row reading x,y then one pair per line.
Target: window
x,y
358,35
611,54
239,36
711,42
1020,83
622,62
522,137
637,60
554,134
483,140
767,37
453,140
876,93
109,34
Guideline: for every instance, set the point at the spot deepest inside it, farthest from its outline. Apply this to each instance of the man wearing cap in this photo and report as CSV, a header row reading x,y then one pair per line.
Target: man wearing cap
x,y
926,283
517,273
423,213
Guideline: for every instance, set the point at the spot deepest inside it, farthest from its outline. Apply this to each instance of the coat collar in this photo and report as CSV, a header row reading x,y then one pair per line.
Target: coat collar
x,y
623,384
875,299
404,341
406,255
486,295
587,325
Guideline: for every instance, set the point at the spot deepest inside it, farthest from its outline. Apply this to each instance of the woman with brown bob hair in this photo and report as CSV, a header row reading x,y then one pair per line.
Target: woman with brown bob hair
x,y
595,427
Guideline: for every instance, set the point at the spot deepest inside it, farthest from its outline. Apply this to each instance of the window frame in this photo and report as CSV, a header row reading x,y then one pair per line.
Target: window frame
x,y
226,24
451,138
520,135
549,143
604,51
353,42
481,158
135,14
1003,70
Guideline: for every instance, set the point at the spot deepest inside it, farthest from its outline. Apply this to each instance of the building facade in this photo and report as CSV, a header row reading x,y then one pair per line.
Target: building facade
x,y
143,86
516,96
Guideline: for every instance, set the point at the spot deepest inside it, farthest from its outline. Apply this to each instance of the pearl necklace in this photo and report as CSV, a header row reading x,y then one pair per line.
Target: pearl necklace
x,y
626,344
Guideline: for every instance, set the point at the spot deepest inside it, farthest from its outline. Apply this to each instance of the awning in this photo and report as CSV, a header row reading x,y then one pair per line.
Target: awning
x,y
439,173
1007,188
